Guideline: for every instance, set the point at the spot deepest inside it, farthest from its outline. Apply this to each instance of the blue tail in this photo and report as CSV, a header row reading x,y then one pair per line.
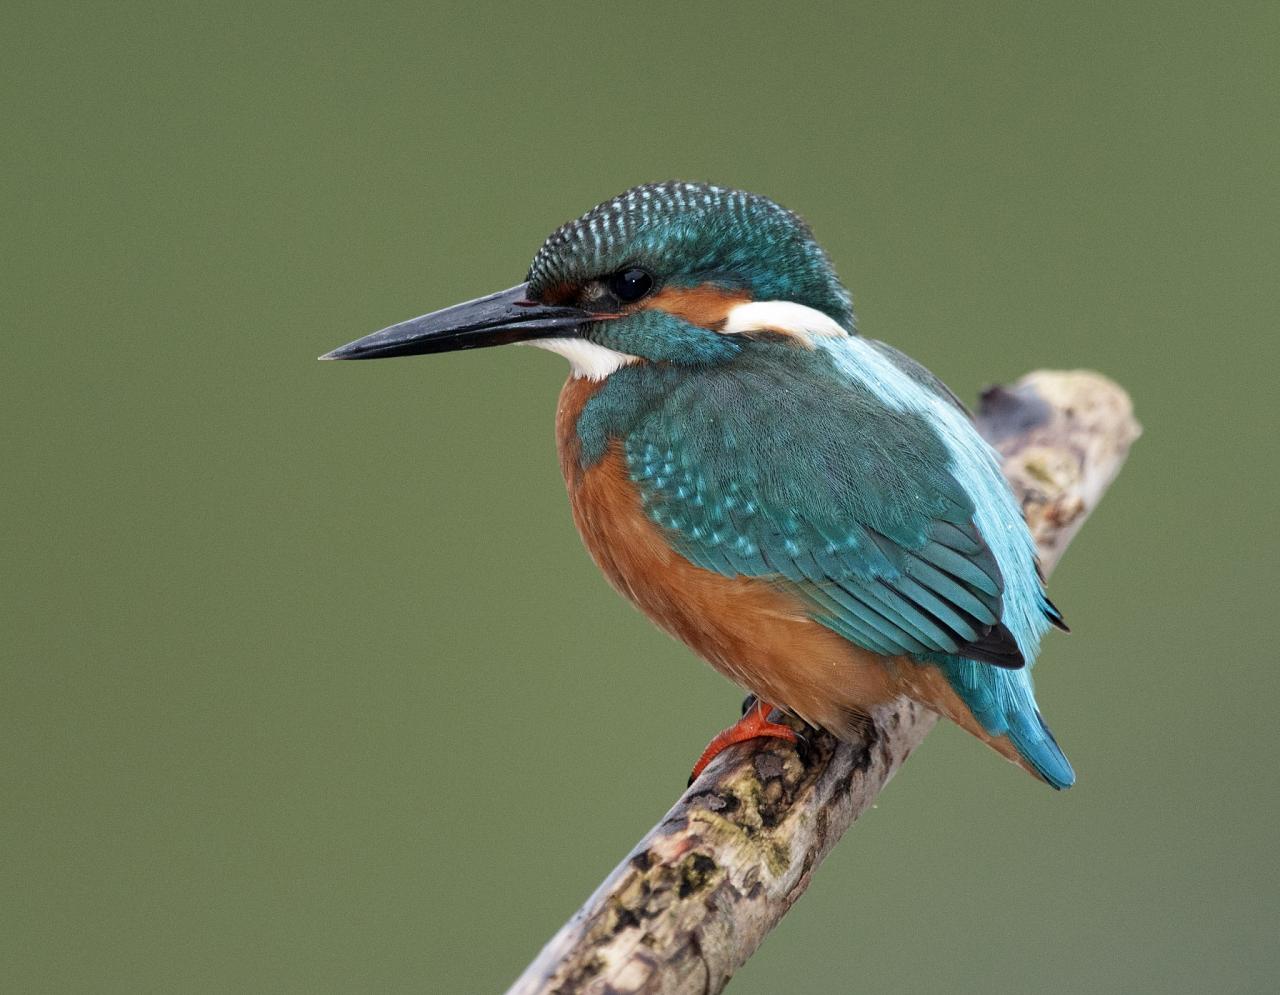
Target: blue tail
x,y
1004,703
1034,741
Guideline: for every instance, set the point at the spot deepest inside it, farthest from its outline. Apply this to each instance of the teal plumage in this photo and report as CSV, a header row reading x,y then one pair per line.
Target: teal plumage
x,y
693,233
780,465
849,474
764,439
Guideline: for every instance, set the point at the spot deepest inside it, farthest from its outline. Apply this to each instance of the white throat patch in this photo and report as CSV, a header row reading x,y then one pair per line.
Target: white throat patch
x,y
586,359
782,318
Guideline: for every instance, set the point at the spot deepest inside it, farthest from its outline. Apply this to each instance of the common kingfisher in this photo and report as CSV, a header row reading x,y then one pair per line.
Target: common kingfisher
x,y
811,511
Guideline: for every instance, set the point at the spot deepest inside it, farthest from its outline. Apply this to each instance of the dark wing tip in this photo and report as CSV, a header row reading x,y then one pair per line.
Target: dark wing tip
x,y
1055,616
997,647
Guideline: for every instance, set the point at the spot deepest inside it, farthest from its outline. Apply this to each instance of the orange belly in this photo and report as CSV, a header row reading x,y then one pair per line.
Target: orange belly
x,y
755,634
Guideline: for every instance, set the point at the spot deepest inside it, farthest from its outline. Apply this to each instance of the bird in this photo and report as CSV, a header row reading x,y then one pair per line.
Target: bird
x,y
809,510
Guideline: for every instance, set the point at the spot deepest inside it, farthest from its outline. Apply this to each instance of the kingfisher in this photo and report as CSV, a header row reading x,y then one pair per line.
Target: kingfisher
x,y
811,511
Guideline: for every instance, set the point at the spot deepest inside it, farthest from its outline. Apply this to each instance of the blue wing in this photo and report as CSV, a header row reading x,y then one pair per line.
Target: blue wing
x,y
779,470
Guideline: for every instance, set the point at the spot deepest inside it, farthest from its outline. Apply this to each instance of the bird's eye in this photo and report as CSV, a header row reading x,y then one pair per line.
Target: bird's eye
x,y
630,284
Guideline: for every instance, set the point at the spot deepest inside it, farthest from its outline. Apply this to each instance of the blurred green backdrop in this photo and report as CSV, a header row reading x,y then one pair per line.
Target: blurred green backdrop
x,y
307,682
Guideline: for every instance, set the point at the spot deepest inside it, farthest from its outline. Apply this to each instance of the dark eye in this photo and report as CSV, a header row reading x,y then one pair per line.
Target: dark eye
x,y
630,284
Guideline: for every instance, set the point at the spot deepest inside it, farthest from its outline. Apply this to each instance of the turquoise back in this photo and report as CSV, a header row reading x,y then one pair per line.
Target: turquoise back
x,y
849,476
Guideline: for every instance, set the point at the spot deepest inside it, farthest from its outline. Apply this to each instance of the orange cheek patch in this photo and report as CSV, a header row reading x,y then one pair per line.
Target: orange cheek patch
x,y
707,305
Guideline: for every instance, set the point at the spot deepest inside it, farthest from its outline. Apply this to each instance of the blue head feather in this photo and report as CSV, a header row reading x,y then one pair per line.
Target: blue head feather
x,y
687,234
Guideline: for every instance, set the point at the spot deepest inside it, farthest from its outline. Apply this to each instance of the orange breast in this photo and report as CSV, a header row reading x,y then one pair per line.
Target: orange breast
x,y
756,635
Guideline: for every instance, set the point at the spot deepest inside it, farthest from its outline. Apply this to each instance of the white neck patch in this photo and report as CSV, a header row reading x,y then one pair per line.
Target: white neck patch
x,y
782,318
586,359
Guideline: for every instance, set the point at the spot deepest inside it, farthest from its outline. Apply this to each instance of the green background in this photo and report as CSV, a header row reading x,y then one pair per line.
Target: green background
x,y
307,682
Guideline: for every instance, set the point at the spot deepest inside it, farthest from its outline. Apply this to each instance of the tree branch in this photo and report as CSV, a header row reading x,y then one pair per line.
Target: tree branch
x,y
699,893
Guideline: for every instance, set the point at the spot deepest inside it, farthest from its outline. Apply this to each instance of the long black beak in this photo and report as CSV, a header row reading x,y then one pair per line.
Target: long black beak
x,y
507,316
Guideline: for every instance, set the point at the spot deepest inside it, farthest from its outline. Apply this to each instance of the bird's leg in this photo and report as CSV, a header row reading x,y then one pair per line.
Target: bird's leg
x,y
754,723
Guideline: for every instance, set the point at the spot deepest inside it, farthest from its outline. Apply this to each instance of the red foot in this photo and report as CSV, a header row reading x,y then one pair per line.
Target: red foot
x,y
752,725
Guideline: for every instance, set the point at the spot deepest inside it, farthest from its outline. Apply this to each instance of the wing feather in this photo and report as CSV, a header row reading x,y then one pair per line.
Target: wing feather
x,y
849,505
